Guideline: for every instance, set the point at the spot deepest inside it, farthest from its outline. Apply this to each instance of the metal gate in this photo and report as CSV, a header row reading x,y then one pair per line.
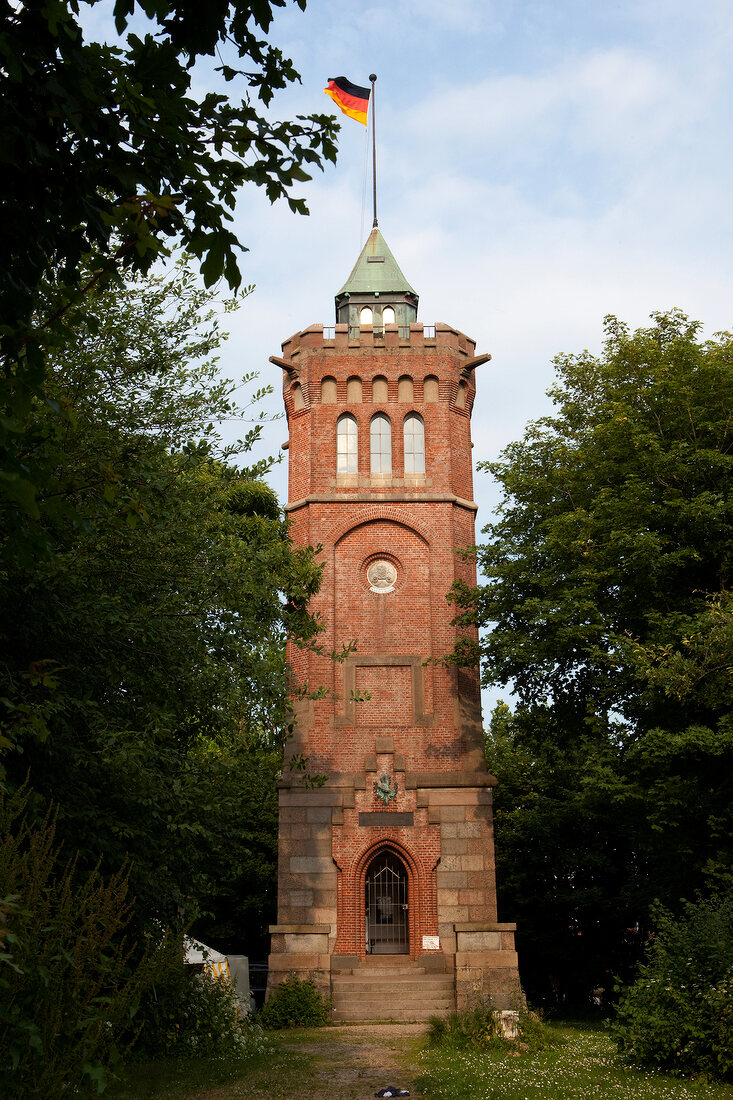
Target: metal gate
x,y
387,926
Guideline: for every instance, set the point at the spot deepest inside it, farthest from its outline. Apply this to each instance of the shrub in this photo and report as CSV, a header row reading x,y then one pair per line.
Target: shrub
x,y
186,1013
67,982
474,1028
479,1028
678,1014
295,1003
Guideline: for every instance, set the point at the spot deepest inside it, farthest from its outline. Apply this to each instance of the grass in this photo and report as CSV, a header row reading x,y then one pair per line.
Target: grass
x,y
584,1066
273,1072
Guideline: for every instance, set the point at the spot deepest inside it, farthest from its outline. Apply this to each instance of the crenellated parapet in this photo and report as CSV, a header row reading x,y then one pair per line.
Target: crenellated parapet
x,y
430,363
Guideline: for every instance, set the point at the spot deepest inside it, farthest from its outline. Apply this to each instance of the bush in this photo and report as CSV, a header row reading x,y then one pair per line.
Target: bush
x,y
295,1003
479,1028
475,1028
68,985
187,1013
678,1014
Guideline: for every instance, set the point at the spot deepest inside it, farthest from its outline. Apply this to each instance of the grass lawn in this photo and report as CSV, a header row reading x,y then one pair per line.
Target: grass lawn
x,y
275,1072
584,1066
309,1065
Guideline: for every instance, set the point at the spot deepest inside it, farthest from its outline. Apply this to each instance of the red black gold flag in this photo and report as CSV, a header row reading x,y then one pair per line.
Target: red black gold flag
x,y
353,100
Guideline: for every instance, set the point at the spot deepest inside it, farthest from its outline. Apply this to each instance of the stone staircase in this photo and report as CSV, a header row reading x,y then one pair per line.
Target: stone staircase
x,y
391,987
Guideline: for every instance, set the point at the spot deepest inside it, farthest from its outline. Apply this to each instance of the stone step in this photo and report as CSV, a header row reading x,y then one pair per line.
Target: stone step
x,y
396,961
426,986
407,993
396,996
386,1007
388,973
397,1014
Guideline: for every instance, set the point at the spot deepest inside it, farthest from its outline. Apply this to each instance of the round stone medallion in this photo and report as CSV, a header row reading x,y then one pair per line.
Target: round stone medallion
x,y
381,575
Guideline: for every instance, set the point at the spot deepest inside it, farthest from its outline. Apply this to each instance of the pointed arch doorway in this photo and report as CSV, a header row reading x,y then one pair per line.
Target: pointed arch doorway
x,y
386,899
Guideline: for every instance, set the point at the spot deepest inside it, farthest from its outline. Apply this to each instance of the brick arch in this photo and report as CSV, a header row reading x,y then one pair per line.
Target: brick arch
x,y
351,918
374,513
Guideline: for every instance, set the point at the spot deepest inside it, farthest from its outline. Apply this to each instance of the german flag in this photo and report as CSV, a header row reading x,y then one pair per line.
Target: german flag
x,y
353,100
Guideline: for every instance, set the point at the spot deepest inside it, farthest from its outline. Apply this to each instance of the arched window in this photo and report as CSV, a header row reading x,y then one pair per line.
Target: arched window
x,y
380,444
388,316
366,316
347,439
414,430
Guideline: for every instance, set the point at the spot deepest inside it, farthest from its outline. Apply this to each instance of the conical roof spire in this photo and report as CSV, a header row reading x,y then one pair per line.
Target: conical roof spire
x,y
376,282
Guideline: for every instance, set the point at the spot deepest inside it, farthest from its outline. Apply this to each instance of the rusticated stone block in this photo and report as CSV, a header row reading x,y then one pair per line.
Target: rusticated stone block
x,y
313,865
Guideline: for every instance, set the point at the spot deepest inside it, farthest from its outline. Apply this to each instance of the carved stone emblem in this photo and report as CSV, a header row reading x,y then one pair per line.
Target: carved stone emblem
x,y
381,575
385,790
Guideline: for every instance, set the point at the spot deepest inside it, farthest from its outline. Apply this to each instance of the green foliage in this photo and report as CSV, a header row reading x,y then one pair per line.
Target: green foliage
x,y
69,983
616,520
143,630
536,1034
459,1030
295,1003
678,1014
188,1013
479,1028
567,863
110,151
606,581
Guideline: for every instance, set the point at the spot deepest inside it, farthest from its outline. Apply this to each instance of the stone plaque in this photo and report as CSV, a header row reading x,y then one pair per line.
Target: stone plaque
x,y
431,943
386,818
381,575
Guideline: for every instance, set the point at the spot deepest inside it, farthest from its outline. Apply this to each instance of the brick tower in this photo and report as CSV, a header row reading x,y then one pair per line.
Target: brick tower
x,y
386,888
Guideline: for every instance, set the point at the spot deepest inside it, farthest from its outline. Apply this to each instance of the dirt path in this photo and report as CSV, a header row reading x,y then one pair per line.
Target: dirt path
x,y
359,1060
350,1062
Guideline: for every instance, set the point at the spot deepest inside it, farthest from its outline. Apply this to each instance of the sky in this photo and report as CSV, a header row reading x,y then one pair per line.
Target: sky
x,y
540,165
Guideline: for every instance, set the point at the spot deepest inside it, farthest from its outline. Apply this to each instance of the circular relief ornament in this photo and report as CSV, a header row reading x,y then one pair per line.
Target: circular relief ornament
x,y
381,575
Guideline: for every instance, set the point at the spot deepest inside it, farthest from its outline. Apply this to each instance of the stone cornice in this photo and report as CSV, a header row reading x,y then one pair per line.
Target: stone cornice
x,y
382,498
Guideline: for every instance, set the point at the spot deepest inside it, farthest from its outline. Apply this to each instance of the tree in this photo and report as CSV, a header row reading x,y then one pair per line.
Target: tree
x,y
109,157
142,639
567,864
607,597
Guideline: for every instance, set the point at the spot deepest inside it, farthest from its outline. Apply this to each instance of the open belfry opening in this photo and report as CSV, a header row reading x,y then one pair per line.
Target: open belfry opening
x,y
386,877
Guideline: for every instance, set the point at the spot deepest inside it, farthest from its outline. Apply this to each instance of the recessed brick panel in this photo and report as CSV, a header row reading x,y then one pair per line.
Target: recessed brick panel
x,y
390,691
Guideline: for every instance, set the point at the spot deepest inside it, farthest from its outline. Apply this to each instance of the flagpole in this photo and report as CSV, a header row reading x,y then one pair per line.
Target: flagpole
x,y
373,78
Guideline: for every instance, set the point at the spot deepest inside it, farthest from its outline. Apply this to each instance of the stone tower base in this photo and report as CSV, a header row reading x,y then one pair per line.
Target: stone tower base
x,y
442,836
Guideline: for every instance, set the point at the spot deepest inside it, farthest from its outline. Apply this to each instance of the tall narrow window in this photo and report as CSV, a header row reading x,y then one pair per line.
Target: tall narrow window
x,y
366,316
380,444
388,317
414,444
346,445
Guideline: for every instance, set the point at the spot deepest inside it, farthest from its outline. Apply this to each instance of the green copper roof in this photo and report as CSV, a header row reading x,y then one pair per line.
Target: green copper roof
x,y
376,271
